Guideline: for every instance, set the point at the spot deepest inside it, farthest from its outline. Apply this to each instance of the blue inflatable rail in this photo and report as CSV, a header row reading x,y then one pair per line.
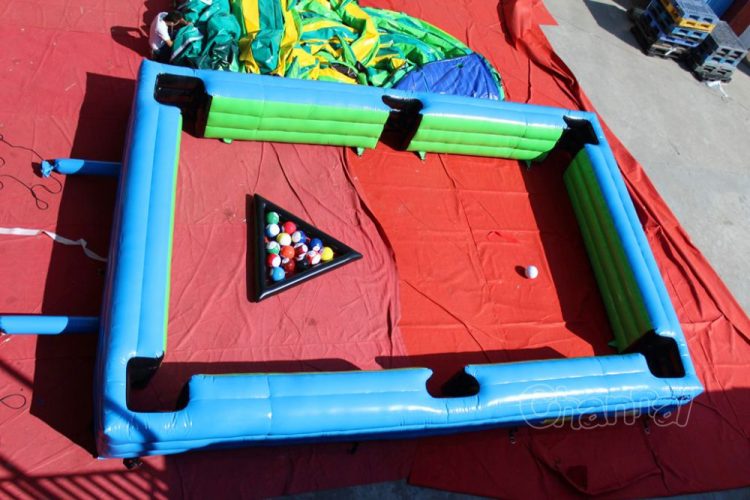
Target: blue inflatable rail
x,y
652,373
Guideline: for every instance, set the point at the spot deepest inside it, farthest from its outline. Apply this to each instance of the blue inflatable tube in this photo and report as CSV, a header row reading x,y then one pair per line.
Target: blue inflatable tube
x,y
48,325
73,166
241,409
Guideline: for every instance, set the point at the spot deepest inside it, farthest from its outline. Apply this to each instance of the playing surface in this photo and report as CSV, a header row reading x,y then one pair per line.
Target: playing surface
x,y
439,284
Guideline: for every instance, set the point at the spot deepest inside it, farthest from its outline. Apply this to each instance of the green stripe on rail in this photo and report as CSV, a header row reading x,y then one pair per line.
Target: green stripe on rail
x,y
271,109
490,126
615,277
610,285
171,230
573,185
616,250
299,137
483,139
474,150
221,119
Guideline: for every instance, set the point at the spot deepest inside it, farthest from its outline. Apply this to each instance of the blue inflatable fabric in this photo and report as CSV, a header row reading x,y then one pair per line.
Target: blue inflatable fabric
x,y
465,76
48,325
241,409
72,166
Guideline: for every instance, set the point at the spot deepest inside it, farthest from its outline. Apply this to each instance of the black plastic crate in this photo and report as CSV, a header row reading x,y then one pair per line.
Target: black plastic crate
x,y
651,26
648,42
713,71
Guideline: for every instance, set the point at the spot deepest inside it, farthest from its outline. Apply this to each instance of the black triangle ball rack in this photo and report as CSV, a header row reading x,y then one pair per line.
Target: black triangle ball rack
x,y
264,286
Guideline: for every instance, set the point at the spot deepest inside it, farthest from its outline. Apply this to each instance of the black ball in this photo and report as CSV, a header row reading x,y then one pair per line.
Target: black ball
x,y
302,265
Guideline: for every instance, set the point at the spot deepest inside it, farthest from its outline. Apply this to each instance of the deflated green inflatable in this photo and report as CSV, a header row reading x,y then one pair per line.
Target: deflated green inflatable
x,y
333,40
210,42
337,40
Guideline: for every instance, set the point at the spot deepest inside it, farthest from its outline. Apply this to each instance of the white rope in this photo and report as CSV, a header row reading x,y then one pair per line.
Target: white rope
x,y
19,231
716,84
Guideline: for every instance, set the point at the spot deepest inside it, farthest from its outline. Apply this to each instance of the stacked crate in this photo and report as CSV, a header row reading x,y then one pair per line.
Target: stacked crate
x,y
693,14
717,57
671,28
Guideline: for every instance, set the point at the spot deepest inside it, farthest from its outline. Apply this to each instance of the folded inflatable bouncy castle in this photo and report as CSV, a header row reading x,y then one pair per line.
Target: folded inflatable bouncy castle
x,y
330,40
337,40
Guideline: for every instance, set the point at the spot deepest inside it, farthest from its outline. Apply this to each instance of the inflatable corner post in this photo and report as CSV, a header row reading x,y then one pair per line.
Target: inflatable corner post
x,y
652,372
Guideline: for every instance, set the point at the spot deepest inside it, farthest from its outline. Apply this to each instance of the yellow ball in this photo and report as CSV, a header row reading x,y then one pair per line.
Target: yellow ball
x,y
326,254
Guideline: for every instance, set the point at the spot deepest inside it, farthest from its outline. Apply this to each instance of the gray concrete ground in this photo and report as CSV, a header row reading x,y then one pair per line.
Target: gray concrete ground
x,y
687,136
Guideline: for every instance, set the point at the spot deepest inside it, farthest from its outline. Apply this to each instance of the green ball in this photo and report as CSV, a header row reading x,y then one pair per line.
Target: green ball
x,y
273,247
272,218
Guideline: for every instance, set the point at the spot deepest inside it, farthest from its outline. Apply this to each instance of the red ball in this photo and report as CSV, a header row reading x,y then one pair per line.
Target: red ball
x,y
287,252
289,267
312,257
289,227
273,260
300,250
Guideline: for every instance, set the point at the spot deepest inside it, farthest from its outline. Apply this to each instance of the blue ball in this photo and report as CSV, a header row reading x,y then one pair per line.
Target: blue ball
x,y
277,274
315,244
299,237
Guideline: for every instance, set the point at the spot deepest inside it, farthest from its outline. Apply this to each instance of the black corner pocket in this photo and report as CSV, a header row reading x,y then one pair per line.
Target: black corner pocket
x,y
187,93
661,353
460,385
577,133
403,121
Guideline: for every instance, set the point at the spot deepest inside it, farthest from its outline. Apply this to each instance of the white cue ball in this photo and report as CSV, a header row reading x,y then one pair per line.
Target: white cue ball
x,y
532,272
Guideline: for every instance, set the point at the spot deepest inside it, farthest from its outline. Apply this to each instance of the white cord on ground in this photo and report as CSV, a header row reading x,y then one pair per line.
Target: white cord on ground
x,y
19,231
716,84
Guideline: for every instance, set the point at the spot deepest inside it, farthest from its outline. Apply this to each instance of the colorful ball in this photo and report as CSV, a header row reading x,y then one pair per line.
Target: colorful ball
x,y
289,227
272,218
272,230
273,247
326,254
273,260
277,274
312,257
284,239
287,252
299,237
316,244
289,267
300,250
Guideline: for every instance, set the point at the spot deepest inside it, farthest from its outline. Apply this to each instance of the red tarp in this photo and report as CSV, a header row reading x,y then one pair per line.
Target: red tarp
x,y
439,285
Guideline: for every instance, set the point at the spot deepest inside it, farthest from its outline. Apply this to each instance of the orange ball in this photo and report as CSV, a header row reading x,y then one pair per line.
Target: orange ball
x,y
287,252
